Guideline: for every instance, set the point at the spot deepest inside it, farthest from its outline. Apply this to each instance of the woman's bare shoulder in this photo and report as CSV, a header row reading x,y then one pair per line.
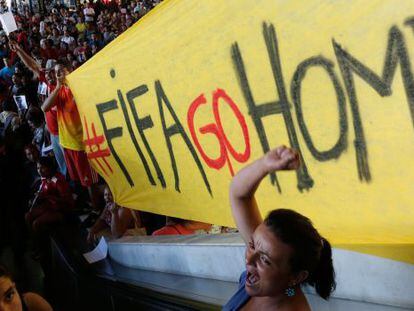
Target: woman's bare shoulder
x,y
35,302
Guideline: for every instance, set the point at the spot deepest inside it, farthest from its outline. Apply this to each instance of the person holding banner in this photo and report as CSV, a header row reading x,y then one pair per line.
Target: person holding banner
x,y
71,133
283,252
115,221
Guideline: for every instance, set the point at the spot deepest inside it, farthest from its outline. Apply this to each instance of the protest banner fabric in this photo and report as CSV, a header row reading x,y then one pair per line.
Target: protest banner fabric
x,y
197,89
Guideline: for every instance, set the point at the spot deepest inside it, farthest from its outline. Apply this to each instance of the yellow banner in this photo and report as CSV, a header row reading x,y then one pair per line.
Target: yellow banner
x,y
198,89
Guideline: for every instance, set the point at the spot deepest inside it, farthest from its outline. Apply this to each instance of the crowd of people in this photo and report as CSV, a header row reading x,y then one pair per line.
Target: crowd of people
x,y
44,171
46,178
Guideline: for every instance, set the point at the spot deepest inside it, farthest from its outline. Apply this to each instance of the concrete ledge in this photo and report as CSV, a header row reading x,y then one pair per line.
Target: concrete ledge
x,y
360,277
214,257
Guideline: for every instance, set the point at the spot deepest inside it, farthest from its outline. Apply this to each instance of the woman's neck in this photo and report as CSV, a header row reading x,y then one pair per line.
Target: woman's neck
x,y
280,302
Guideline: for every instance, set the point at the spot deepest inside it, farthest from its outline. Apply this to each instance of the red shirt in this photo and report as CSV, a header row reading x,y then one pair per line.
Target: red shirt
x,y
22,40
173,230
49,53
51,115
56,190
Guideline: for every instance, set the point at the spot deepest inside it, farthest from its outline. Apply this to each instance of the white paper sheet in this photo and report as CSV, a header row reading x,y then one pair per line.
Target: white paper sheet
x,y
98,253
8,22
21,102
42,88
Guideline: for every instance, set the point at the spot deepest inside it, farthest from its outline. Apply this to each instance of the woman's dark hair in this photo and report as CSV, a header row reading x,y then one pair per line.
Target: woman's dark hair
x,y
32,148
36,116
311,252
5,273
48,162
18,74
9,105
63,62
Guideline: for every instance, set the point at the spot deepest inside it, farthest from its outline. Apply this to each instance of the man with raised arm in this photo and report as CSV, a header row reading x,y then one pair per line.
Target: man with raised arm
x,y
45,76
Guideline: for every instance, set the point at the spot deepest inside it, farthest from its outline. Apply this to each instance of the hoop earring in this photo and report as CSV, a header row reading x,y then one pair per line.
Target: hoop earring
x,y
290,292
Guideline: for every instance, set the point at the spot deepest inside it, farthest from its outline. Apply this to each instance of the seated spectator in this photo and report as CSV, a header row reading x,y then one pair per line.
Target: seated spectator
x,y
94,49
80,27
118,220
178,226
36,121
32,155
138,7
17,88
42,28
22,36
55,37
80,51
34,36
95,41
16,133
53,199
47,51
12,300
89,12
30,167
6,73
69,58
75,64
30,89
68,39
89,31
63,50
107,35
9,111
4,51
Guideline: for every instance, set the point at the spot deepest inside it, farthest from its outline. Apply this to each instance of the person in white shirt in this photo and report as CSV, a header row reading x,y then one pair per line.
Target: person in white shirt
x,y
89,13
68,39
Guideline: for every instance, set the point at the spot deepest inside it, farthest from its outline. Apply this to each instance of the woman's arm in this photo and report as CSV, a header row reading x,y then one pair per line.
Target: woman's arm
x,y
99,225
121,221
27,60
51,99
245,183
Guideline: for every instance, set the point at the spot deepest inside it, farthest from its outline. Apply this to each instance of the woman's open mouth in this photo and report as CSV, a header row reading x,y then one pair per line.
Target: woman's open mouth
x,y
252,278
